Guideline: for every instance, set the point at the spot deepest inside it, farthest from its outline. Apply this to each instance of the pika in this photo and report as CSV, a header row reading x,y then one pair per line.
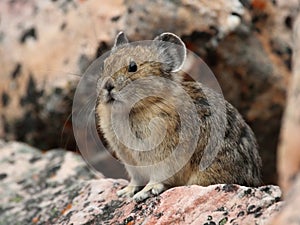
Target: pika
x,y
145,110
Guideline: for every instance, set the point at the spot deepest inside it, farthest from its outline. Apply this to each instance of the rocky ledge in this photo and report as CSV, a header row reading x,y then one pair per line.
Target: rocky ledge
x,y
56,187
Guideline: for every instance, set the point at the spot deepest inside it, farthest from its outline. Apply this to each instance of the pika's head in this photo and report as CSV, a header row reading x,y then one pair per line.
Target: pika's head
x,y
128,62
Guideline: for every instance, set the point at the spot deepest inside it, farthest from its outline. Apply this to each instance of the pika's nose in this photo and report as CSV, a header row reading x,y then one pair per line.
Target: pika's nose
x,y
109,85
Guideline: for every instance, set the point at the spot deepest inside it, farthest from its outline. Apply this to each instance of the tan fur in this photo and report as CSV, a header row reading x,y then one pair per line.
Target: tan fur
x,y
238,160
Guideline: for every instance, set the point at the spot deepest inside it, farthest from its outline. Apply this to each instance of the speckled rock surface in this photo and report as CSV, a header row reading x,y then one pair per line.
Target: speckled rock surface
x,y
45,46
36,187
57,188
217,204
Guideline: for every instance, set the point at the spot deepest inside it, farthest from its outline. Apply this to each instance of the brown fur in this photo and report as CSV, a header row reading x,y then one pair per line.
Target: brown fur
x,y
237,161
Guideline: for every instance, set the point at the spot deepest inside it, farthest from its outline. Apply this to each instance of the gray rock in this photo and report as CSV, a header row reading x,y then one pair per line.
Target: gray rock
x,y
57,188
36,186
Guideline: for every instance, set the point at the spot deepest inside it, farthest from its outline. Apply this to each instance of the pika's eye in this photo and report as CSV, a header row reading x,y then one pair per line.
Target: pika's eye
x,y
132,67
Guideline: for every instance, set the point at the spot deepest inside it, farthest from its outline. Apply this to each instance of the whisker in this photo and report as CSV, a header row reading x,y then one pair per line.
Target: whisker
x,y
63,130
59,72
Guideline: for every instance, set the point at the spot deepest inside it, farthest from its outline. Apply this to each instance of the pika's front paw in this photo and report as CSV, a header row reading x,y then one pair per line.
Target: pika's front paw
x,y
145,193
127,191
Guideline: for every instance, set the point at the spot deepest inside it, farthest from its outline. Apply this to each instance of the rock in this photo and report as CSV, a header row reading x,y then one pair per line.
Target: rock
x,y
43,52
207,20
57,188
216,204
35,186
288,152
289,213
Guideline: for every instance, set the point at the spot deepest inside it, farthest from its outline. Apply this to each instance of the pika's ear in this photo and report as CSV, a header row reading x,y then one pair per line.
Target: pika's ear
x,y
120,39
172,51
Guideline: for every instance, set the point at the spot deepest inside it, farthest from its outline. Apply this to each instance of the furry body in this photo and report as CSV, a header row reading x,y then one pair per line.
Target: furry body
x,y
155,117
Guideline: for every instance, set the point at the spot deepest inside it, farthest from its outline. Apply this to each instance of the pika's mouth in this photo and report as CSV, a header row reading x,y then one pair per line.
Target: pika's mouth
x,y
107,86
109,98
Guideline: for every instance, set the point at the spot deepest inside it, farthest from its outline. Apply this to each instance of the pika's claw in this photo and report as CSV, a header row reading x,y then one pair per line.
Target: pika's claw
x,y
141,196
158,188
154,188
127,191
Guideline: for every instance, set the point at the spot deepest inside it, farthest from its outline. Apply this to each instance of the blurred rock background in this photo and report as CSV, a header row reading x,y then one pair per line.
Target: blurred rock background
x,y
45,46
288,150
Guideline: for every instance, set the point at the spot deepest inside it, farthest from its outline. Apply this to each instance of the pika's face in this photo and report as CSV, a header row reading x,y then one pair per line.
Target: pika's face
x,y
139,64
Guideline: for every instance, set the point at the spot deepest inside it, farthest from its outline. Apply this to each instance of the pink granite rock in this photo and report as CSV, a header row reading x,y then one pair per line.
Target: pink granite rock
x,y
45,46
57,188
289,213
217,204
288,152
